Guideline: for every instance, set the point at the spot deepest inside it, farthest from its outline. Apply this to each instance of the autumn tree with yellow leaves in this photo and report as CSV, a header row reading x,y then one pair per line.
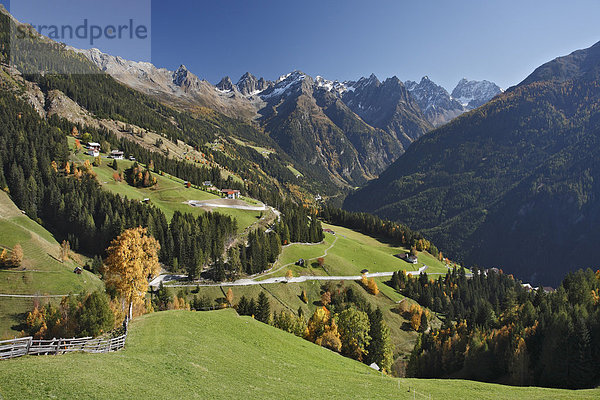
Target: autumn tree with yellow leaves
x,y
369,284
16,257
132,261
65,251
229,297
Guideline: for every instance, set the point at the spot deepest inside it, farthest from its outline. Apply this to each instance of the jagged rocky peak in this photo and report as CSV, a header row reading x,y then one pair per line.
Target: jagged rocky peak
x,y
435,101
287,84
186,80
294,76
425,82
370,81
393,82
180,75
264,84
226,85
472,94
429,94
336,87
248,85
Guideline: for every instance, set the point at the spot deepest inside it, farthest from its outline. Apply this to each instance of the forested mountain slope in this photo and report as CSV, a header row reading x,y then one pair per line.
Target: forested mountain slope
x,y
513,183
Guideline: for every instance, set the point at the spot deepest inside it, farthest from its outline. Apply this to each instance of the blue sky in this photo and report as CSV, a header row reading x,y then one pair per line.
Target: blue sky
x,y
501,41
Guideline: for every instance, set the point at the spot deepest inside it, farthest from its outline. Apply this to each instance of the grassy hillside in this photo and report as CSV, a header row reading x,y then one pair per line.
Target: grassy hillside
x,y
286,297
181,354
41,272
351,253
169,194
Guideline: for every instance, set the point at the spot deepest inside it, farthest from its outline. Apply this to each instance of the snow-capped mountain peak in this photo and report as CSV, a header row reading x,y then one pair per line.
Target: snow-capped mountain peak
x,y
472,94
284,85
435,101
336,87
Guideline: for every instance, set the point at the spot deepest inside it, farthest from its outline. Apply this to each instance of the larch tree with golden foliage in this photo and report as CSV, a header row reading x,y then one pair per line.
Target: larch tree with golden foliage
x,y
326,298
304,297
372,287
16,258
229,297
132,261
65,251
330,338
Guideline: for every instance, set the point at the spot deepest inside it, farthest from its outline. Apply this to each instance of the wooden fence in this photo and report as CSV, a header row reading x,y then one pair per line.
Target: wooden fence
x,y
30,346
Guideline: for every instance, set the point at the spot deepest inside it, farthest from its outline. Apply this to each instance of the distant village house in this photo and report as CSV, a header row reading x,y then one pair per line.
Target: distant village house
x,y
231,193
408,258
93,149
116,154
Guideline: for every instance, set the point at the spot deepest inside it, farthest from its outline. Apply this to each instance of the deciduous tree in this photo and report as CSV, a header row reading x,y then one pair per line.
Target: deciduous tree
x,y
229,296
132,260
326,298
304,297
65,251
354,332
16,257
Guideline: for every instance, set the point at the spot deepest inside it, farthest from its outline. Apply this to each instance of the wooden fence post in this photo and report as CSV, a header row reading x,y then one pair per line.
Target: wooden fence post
x,y
28,345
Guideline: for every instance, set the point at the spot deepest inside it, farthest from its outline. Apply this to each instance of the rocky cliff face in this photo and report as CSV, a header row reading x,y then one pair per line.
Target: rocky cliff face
x,y
389,106
248,85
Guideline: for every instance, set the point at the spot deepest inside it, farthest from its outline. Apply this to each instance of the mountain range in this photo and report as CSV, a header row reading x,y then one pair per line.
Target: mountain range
x,y
513,183
345,133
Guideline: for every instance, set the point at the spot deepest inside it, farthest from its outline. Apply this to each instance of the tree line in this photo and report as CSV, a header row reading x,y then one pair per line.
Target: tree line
x,y
499,332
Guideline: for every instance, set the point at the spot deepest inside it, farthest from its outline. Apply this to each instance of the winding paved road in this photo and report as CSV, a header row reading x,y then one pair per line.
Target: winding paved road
x,y
297,279
213,204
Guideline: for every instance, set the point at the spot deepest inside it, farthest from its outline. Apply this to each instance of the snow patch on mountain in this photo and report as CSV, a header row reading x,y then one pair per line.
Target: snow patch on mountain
x,y
336,87
439,106
284,84
472,94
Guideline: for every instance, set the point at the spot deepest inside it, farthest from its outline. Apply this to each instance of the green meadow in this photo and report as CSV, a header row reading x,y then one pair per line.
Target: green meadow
x,y
219,355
